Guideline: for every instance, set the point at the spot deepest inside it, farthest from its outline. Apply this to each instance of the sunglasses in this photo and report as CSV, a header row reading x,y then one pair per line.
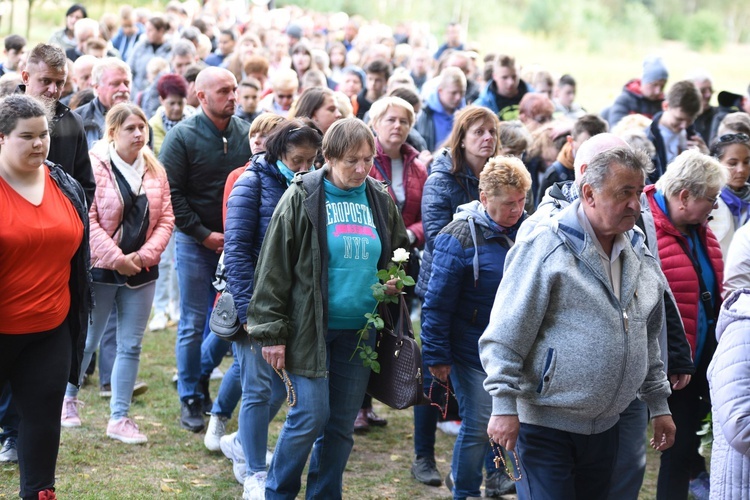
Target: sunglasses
x,y
728,138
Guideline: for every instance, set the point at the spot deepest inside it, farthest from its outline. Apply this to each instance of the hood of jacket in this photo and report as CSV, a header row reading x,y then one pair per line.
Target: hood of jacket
x,y
567,226
634,87
443,162
433,102
736,307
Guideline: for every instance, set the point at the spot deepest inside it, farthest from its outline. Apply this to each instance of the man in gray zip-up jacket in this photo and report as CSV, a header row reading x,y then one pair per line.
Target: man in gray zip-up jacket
x,y
573,336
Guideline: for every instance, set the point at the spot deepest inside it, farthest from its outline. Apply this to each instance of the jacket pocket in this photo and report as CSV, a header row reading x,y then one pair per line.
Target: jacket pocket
x,y
548,372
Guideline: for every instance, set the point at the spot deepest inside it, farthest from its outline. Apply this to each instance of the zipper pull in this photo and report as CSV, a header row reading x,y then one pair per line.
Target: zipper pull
x,y
225,144
625,320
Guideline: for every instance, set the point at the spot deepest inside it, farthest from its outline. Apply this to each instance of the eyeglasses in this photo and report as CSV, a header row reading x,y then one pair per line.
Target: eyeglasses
x,y
499,453
734,138
712,200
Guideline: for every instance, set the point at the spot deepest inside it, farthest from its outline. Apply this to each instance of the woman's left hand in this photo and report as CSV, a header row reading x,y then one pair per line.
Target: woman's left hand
x,y
390,287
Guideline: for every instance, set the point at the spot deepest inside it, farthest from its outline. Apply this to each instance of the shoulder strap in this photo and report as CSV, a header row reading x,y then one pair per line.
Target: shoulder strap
x,y
386,179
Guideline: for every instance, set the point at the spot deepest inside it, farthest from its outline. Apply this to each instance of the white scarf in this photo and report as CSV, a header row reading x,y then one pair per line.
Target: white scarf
x,y
132,173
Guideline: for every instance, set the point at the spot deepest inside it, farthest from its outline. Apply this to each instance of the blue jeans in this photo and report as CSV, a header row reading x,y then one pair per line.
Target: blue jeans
x,y
263,393
167,289
321,421
630,466
108,350
133,309
426,417
196,266
471,446
230,390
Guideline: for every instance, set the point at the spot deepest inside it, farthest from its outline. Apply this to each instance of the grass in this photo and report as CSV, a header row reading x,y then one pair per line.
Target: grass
x,y
174,463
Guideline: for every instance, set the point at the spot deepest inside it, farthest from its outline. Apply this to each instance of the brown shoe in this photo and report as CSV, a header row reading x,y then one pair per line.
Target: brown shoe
x,y
373,418
361,424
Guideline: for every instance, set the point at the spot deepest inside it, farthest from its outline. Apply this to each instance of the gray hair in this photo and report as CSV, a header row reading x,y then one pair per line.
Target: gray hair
x,y
598,169
183,48
106,64
693,171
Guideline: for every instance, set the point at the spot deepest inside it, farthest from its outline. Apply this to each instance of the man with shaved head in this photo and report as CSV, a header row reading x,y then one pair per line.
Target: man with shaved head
x,y
630,465
198,154
573,335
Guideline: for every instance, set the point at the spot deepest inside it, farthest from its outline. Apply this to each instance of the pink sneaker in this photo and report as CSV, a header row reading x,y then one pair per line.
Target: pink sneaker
x,y
70,417
126,431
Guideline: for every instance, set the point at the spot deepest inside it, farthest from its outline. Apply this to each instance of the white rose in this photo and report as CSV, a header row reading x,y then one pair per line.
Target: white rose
x,y
400,255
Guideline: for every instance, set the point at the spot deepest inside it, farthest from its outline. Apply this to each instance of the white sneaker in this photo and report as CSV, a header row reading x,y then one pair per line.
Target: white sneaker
x,y
451,427
158,322
240,471
255,487
231,447
216,374
217,427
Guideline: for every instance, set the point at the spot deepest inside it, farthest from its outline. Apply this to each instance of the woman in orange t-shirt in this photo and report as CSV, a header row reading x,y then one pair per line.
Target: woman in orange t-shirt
x,y
44,295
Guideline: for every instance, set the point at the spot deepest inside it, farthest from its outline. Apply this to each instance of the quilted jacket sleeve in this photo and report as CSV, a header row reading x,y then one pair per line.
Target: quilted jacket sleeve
x,y
730,384
241,228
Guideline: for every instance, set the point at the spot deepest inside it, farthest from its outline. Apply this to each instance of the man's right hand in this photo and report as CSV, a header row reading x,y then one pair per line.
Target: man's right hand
x,y
503,429
215,242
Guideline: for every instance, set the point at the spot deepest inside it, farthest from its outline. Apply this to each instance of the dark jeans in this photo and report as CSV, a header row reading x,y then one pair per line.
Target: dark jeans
x,y
564,465
681,462
37,365
9,419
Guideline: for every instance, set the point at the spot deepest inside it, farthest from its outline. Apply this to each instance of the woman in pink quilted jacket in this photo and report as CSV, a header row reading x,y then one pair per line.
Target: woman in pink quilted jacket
x,y
131,221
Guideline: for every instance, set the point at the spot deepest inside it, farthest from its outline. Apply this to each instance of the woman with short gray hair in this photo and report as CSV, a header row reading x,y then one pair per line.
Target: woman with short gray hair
x,y
691,259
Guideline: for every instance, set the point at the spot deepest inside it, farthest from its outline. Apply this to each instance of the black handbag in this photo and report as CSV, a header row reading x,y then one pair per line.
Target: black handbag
x,y
399,383
134,228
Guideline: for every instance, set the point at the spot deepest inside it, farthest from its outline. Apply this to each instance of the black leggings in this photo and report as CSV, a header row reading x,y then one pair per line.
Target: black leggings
x,y
37,365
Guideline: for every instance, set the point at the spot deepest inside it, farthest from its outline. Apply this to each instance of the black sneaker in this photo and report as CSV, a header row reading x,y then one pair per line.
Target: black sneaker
x,y
497,484
191,417
208,404
424,470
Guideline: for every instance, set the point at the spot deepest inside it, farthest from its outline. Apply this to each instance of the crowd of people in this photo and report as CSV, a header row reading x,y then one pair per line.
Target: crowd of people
x,y
578,275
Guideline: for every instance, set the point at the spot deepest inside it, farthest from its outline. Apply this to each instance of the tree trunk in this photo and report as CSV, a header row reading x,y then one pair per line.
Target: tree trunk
x,y
28,18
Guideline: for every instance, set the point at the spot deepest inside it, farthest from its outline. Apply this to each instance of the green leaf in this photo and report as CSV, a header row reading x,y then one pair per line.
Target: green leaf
x,y
379,323
408,281
362,354
375,366
383,275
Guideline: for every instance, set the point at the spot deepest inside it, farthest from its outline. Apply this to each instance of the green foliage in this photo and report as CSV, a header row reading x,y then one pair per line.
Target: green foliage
x,y
704,30
672,27
543,17
707,436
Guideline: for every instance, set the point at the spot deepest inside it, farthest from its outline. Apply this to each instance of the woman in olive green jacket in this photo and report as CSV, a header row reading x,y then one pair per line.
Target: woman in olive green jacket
x,y
331,232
